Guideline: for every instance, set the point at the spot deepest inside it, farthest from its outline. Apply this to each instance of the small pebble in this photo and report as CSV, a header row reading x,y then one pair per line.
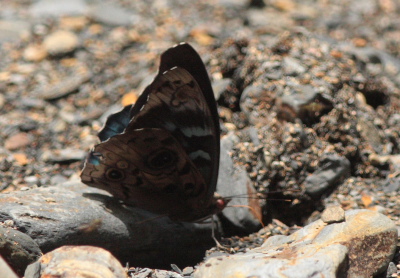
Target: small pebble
x,y
60,43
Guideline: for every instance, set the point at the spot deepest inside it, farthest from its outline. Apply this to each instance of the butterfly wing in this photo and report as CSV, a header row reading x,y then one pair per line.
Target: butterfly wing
x,y
166,160
185,57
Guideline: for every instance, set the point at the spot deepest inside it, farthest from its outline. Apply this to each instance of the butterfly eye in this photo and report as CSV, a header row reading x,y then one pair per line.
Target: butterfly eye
x,y
162,159
115,174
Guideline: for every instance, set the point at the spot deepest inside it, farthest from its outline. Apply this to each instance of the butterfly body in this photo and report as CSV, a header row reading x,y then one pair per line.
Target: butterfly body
x,y
162,154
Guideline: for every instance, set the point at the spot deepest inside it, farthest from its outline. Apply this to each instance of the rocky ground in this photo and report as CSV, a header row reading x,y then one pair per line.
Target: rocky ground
x,y
310,90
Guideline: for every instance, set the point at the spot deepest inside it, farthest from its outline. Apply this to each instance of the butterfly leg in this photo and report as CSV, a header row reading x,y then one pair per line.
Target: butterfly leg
x,y
219,245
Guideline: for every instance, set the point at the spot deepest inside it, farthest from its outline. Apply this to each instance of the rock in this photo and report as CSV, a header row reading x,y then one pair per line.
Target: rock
x,y
370,133
65,87
332,170
13,30
303,102
76,261
18,249
292,66
76,23
2,101
333,214
73,213
138,272
17,141
250,96
63,156
35,53
60,43
263,17
110,14
219,86
234,181
6,271
57,8
319,249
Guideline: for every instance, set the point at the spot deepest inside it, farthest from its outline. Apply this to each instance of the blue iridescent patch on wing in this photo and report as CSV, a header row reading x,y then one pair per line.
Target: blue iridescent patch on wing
x,y
94,158
115,124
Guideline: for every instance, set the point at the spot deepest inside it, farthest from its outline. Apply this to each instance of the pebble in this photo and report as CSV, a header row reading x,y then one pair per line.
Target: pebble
x,y
34,53
333,214
63,156
60,43
219,86
21,158
31,180
63,88
17,141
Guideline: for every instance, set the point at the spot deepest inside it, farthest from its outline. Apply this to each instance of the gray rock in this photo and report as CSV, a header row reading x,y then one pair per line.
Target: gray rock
x,y
63,88
73,213
362,246
332,170
303,102
370,133
63,156
18,249
13,29
76,261
250,95
219,86
57,8
292,66
6,271
234,181
110,14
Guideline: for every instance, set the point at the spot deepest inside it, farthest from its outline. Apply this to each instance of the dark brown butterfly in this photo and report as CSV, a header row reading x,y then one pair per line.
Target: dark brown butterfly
x,y
162,154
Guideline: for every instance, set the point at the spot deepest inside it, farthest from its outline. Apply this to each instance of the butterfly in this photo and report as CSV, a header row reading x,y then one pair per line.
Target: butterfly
x,y
162,153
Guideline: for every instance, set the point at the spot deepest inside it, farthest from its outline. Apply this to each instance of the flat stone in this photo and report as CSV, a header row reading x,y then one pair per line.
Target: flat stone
x,y
13,29
110,14
319,249
65,87
17,141
63,156
73,213
57,8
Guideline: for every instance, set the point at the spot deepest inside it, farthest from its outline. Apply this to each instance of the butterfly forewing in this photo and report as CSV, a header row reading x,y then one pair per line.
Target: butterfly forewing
x,y
176,104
